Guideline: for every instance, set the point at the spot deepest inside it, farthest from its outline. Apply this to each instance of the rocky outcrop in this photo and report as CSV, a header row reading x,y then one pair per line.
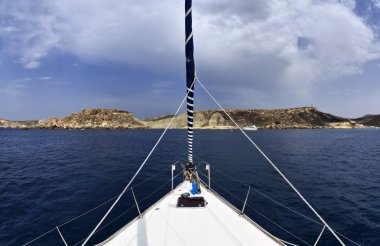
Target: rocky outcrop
x,y
4,123
210,119
304,117
369,120
18,124
94,119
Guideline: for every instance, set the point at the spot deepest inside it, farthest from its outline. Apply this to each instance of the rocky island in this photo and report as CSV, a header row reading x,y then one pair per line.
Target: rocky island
x,y
369,120
94,119
291,118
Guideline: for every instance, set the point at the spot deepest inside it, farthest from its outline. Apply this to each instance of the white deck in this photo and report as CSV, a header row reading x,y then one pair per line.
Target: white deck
x,y
216,224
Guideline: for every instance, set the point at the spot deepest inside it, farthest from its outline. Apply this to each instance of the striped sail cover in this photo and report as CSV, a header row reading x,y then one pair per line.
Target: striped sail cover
x,y
190,77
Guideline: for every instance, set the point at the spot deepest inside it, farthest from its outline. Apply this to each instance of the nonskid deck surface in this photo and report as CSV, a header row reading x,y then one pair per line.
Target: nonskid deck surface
x,y
165,224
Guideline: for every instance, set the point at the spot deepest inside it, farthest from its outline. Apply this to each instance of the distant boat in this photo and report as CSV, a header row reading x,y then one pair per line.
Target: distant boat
x,y
250,128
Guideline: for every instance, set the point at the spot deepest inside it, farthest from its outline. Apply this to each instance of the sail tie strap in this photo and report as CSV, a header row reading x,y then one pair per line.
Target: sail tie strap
x,y
273,165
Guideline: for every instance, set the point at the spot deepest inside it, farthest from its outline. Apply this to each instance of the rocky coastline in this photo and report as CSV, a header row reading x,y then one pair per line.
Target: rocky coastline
x,y
291,118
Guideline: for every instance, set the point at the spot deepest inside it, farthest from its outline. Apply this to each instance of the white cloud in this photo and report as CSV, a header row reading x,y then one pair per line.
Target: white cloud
x,y
13,88
339,42
263,42
30,64
376,3
8,29
32,79
31,31
19,86
351,4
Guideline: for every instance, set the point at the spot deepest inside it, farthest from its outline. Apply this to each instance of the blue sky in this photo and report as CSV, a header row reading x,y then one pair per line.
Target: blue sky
x,y
58,57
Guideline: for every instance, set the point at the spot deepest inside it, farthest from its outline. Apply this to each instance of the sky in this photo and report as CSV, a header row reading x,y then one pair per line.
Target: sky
x,y
59,57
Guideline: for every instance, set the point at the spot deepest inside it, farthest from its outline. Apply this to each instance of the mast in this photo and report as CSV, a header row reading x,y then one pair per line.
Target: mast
x,y
189,170
190,79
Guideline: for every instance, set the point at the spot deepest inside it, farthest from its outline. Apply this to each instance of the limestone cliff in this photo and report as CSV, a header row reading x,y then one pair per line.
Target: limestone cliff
x,y
18,124
94,119
304,117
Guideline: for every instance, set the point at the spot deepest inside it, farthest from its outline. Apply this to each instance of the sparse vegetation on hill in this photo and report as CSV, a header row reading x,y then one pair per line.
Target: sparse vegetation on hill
x,y
304,117
369,120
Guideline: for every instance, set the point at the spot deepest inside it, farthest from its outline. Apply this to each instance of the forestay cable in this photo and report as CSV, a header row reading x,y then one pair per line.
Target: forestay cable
x,y
138,170
273,165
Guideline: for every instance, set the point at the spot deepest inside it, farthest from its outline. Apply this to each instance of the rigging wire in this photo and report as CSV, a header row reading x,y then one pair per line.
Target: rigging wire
x,y
44,234
139,169
129,209
237,198
273,200
254,209
266,196
98,206
137,185
273,165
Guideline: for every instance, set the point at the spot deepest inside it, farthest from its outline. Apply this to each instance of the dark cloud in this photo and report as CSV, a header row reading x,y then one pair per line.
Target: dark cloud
x,y
258,47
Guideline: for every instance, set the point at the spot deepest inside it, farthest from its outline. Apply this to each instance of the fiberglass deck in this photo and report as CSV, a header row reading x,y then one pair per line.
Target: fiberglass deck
x,y
216,224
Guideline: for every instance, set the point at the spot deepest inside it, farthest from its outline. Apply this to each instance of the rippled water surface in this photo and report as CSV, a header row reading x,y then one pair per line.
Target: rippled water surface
x,y
48,177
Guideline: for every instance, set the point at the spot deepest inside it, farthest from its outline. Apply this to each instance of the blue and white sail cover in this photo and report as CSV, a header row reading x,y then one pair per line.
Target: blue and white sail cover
x,y
190,77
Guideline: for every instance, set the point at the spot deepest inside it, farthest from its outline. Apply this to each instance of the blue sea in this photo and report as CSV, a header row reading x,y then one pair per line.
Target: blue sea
x,y
48,177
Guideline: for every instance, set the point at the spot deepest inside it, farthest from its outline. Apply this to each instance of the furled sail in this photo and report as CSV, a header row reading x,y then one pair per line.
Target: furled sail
x,y
190,172
190,78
